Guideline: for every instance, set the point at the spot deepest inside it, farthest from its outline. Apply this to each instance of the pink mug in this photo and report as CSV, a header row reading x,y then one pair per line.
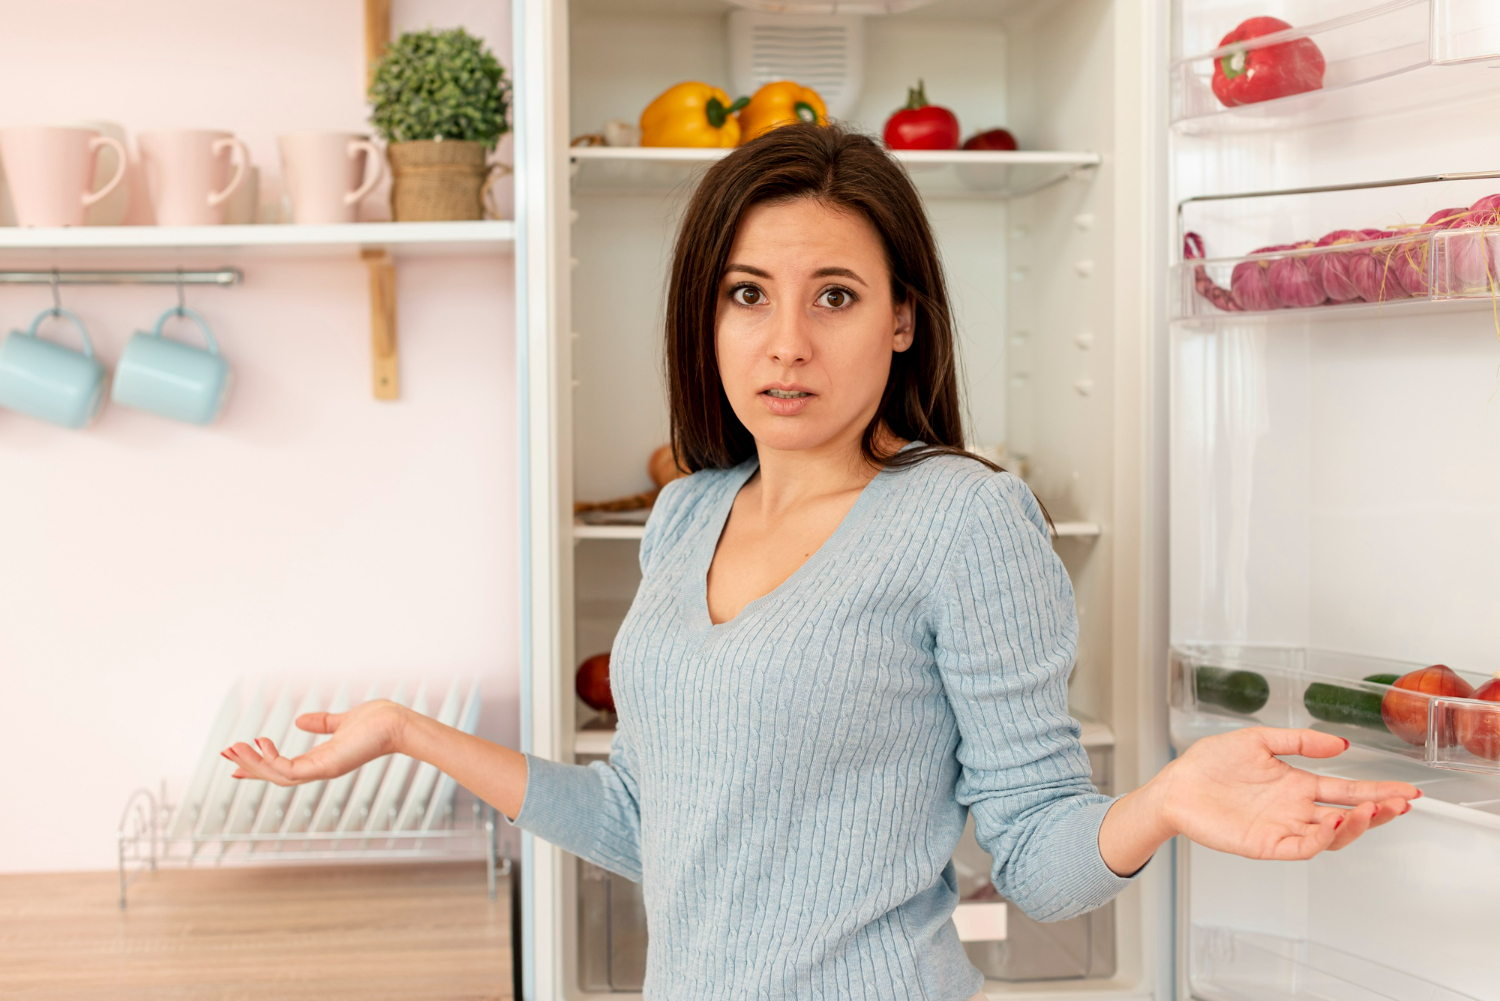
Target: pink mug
x,y
188,174
50,171
325,174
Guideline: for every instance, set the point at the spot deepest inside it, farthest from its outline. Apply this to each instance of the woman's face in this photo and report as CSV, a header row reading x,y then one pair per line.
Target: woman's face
x,y
806,325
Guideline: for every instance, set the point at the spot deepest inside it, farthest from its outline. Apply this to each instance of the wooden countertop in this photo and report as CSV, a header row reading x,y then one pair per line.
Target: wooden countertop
x,y
287,932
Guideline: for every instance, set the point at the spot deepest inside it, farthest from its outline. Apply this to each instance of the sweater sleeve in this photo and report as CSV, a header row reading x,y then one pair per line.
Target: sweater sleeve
x,y
1006,635
590,810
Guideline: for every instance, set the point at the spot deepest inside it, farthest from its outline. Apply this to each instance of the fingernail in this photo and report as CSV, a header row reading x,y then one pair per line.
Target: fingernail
x,y
1407,810
1346,742
225,756
1336,823
1418,795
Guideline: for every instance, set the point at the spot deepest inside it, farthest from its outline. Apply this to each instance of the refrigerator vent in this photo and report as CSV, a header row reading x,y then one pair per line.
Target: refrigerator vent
x,y
824,52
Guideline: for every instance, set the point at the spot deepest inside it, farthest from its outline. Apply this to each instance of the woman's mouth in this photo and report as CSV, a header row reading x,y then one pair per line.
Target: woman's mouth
x,y
786,402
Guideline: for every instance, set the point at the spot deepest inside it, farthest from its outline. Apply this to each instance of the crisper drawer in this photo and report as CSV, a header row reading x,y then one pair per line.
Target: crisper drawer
x,y
1000,940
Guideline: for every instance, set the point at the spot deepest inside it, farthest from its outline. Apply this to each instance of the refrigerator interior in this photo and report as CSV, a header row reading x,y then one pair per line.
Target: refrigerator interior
x,y
1031,280
1335,497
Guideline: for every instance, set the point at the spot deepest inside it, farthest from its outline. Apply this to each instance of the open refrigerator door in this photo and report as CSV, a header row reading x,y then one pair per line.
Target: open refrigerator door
x,y
1334,356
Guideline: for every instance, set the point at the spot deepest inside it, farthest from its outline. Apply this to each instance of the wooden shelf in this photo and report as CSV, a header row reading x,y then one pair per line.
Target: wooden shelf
x,y
488,236
970,173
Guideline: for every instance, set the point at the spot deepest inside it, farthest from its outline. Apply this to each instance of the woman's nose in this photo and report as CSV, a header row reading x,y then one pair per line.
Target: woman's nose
x,y
789,342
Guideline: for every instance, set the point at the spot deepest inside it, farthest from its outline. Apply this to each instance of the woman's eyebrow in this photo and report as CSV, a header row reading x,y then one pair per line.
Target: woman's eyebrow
x,y
748,269
840,272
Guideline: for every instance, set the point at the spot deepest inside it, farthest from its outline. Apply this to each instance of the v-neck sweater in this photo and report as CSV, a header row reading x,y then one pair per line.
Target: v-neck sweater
x,y
789,786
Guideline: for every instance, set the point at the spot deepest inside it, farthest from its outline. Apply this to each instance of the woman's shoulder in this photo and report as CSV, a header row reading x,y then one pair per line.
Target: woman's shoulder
x,y
967,495
683,503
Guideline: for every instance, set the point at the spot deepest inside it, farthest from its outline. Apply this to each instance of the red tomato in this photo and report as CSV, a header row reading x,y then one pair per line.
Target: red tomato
x,y
1406,715
920,125
994,139
1479,729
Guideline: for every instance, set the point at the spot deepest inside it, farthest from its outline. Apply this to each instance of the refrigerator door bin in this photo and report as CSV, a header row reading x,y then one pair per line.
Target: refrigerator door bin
x,y
1383,58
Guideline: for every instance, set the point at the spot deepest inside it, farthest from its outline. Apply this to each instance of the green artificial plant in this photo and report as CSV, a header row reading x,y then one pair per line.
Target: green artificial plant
x,y
439,85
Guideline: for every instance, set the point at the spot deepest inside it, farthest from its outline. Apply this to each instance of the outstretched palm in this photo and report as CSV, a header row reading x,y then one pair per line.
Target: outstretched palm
x,y
362,734
1233,794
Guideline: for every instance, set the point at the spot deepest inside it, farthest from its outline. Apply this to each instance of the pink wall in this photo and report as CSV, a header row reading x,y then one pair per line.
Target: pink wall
x,y
145,565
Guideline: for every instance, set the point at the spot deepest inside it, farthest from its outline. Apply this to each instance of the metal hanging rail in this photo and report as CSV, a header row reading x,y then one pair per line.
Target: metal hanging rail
x,y
218,276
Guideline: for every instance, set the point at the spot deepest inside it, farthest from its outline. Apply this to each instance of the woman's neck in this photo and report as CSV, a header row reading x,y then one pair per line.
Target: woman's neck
x,y
788,478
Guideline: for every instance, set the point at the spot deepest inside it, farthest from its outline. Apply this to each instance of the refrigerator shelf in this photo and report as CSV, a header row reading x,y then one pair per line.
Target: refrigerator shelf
x,y
1388,58
1331,692
966,173
1233,965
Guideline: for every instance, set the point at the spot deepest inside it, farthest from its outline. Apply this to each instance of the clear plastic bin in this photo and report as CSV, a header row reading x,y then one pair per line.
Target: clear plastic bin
x,y
1369,244
1332,692
1379,58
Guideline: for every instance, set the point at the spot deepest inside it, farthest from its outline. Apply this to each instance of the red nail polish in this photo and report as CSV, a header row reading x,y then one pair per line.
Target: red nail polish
x,y
225,756
1346,742
1407,810
1336,823
1418,795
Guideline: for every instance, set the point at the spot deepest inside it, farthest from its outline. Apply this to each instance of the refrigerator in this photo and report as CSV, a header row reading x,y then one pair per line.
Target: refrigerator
x,y
1274,463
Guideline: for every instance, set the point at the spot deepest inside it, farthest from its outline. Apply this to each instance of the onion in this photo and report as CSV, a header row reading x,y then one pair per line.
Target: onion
x,y
1293,281
1250,283
1330,268
1479,729
1471,256
1405,715
1370,270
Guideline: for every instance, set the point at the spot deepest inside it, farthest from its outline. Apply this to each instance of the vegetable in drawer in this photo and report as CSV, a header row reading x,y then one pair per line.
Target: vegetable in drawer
x,y
1350,706
1241,692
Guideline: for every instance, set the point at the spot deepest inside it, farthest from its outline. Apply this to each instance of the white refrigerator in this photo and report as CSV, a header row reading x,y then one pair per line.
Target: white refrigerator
x,y
1274,464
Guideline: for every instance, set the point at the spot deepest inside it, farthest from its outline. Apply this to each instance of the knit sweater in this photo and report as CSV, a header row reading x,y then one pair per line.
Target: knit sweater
x,y
789,785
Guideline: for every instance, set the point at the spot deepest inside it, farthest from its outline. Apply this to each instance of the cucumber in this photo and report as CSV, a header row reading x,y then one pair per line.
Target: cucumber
x,y
1242,692
1351,706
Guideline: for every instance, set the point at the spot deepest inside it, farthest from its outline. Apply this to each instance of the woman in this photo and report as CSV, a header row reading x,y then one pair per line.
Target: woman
x,y
849,635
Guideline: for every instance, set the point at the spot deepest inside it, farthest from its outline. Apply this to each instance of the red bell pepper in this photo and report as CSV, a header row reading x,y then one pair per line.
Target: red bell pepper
x,y
1248,76
920,125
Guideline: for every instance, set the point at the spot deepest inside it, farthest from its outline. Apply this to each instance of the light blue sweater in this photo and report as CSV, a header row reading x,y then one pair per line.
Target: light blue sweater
x,y
789,786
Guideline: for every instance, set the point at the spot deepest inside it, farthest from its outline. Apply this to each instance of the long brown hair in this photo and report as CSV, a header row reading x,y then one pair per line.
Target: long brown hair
x,y
839,168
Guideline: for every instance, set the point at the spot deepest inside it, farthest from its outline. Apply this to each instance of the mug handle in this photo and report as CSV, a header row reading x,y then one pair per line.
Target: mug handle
x,y
240,169
95,144
372,155
67,314
161,321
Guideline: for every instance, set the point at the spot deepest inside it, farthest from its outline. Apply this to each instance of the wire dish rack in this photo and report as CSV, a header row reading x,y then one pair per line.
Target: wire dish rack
x,y
391,809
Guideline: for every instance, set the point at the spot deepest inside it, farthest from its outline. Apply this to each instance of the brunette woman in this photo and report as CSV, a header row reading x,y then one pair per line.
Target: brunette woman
x,y
849,636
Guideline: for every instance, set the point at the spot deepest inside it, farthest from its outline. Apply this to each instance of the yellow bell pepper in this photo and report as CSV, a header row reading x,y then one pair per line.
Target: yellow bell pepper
x,y
781,103
692,114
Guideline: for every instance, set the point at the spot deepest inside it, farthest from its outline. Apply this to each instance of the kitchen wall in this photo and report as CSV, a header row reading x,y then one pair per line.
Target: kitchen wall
x,y
145,565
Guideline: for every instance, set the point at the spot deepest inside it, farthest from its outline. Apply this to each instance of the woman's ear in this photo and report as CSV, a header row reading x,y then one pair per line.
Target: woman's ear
x,y
906,321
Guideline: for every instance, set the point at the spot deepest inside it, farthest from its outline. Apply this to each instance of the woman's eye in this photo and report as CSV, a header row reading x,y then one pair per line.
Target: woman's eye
x,y
836,298
747,295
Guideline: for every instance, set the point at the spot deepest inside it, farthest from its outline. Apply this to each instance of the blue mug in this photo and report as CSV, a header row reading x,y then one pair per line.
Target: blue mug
x,y
170,378
48,381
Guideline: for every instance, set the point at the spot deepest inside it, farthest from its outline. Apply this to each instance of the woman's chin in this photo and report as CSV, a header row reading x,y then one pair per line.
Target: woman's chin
x,y
792,434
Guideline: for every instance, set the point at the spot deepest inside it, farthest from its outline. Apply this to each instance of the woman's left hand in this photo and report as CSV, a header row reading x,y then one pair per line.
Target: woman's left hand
x,y
1232,793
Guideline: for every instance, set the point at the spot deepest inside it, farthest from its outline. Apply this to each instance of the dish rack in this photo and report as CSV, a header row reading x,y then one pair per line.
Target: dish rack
x,y
391,809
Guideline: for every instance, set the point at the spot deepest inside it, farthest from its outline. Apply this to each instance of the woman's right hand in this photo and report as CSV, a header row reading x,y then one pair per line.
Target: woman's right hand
x,y
364,733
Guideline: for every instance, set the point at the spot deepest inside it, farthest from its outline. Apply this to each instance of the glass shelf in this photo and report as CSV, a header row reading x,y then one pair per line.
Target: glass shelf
x,y
968,173
1387,58
286,239
1232,965
1331,692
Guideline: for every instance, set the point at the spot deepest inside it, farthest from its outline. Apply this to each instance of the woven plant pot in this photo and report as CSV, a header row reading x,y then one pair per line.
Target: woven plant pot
x,y
432,180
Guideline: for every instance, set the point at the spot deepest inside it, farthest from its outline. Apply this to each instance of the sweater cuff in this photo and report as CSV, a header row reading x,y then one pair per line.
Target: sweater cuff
x,y
1091,882
561,804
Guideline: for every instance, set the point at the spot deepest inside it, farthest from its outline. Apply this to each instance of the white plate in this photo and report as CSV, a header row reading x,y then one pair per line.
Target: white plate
x,y
442,796
415,805
273,805
186,814
383,811
221,790
249,792
326,816
358,807
305,799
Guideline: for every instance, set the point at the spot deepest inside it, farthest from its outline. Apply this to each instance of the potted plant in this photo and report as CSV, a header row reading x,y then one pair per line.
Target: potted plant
x,y
440,100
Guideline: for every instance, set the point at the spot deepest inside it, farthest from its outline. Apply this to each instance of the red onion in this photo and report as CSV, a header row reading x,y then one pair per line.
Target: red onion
x,y
1331,267
1293,281
1250,283
1371,272
1410,261
1471,256
1192,249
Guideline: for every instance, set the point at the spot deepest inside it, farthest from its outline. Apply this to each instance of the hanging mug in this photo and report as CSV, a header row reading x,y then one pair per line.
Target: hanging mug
x,y
49,381
170,378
